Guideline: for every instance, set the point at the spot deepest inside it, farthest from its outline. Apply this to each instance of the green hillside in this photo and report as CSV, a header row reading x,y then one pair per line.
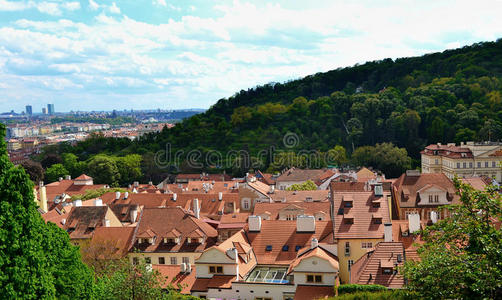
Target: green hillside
x,y
450,96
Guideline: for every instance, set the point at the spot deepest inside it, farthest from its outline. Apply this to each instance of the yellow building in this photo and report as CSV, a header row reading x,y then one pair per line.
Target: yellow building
x,y
360,220
467,160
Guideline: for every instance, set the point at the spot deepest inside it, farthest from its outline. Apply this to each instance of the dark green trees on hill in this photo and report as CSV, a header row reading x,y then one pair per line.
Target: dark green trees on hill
x,y
37,260
451,96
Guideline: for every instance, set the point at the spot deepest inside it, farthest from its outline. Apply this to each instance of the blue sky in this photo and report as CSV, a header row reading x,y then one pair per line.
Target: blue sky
x,y
171,54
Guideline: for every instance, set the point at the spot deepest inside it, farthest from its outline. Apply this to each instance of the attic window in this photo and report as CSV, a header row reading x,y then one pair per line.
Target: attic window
x,y
297,247
285,248
268,248
340,211
308,199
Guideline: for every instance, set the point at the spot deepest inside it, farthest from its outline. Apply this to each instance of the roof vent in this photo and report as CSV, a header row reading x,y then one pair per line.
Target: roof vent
x,y
254,223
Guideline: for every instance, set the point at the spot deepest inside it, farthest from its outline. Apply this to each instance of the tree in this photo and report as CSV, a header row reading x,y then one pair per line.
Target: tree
x,y
308,185
129,168
54,172
37,260
73,165
337,155
386,157
104,170
50,159
34,170
462,255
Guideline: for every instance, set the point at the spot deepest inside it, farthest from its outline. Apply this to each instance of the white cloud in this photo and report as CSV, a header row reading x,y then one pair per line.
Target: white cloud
x,y
50,8
160,2
114,9
93,5
12,6
71,5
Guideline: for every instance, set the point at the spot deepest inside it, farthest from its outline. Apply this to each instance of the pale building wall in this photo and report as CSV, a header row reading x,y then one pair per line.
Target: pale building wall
x,y
356,252
315,266
192,256
251,291
433,191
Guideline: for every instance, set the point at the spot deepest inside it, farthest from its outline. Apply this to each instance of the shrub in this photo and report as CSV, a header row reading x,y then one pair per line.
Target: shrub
x,y
381,295
353,288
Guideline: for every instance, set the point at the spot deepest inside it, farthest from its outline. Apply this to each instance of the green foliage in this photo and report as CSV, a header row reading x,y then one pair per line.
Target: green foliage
x,y
381,295
462,254
37,260
391,160
125,281
409,102
73,165
353,288
129,168
308,185
55,171
95,120
103,169
92,194
34,170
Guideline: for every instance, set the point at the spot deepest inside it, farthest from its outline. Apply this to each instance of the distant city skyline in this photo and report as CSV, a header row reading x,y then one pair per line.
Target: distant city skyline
x,y
105,55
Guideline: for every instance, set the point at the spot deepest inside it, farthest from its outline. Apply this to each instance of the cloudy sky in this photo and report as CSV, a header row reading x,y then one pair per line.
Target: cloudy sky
x,y
170,54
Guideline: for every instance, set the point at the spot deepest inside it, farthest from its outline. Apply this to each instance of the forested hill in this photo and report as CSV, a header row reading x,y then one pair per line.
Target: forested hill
x,y
451,96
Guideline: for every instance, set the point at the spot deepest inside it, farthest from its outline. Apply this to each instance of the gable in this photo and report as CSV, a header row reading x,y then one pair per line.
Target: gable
x,y
315,264
214,256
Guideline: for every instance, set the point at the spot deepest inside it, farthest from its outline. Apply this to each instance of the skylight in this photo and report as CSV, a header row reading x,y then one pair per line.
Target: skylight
x,y
268,248
285,248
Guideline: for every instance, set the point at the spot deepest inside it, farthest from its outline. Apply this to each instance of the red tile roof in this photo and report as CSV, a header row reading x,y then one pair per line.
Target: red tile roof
x,y
299,196
368,269
309,208
361,212
83,177
279,233
406,187
118,237
175,278
304,292
161,221
295,174
319,252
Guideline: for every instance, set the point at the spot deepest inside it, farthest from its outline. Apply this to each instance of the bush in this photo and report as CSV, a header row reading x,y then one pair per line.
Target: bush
x,y
381,295
353,288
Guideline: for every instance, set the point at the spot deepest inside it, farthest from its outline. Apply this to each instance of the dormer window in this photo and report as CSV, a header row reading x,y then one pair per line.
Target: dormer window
x,y
285,248
268,248
297,248
347,203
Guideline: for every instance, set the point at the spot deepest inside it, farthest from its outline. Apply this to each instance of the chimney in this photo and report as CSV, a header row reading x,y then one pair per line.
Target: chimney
x,y
387,232
136,184
220,196
98,202
305,223
314,243
126,195
67,177
43,197
196,208
272,189
77,203
63,221
60,179
117,195
134,213
414,222
254,223
150,183
183,267
434,217
175,196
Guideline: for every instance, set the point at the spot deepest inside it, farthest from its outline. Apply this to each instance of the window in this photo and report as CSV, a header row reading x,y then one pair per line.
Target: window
x,y
162,261
340,211
430,198
148,260
285,248
486,164
376,204
377,221
479,164
185,260
458,165
268,248
216,269
399,258
464,165
174,260
297,247
494,164
367,245
387,271
245,204
347,249
436,161
349,221
135,260
436,198
350,262
348,203
470,165
312,278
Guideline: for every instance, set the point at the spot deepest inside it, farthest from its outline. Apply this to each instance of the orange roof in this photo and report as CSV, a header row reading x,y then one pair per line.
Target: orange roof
x,y
362,211
277,234
368,269
175,278
410,185
162,221
410,242
148,200
56,216
319,252
476,182
295,174
240,242
313,292
348,186
83,177
365,174
120,237
299,196
309,208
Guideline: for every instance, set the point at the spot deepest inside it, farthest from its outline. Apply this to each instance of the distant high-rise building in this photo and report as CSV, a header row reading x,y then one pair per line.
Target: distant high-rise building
x,y
44,110
29,110
50,109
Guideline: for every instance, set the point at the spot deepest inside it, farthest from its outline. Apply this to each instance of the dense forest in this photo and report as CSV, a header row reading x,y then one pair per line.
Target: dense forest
x,y
405,103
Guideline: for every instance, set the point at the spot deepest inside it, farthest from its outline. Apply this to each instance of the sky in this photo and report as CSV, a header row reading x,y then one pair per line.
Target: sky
x,y
173,54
